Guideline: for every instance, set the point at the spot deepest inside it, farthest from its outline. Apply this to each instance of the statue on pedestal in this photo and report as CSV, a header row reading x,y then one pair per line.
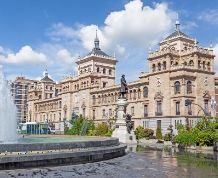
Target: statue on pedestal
x,y
124,88
124,125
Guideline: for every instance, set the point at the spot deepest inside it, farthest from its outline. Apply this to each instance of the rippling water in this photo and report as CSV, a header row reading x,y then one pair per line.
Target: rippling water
x,y
179,164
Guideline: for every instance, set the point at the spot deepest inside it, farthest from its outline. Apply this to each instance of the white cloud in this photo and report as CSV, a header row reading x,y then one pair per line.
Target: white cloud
x,y
26,55
210,16
66,56
127,33
135,26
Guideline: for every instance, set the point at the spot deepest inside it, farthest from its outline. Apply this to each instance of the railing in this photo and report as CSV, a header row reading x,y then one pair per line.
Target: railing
x,y
158,113
181,52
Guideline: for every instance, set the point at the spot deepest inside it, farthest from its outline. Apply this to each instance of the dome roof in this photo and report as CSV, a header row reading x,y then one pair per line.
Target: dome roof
x,y
177,33
46,78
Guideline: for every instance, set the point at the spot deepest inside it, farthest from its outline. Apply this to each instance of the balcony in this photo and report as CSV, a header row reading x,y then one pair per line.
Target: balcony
x,y
177,113
158,113
189,112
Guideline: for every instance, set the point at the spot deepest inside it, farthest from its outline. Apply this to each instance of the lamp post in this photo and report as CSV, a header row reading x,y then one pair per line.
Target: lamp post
x,y
188,102
213,107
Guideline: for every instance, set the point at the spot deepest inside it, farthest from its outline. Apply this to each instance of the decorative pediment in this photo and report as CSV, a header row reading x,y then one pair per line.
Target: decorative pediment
x,y
158,96
206,95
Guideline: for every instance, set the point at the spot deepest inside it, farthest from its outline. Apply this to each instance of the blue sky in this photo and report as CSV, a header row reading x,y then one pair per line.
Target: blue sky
x,y
40,34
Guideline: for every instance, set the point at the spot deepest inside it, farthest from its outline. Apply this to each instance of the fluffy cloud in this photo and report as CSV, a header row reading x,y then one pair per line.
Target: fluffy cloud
x,y
127,33
66,56
26,55
135,26
210,16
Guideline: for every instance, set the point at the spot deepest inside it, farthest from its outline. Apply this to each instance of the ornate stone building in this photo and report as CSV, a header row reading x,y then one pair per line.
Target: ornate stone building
x,y
179,70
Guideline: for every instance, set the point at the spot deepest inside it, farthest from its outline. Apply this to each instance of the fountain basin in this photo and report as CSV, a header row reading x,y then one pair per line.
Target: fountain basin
x,y
74,151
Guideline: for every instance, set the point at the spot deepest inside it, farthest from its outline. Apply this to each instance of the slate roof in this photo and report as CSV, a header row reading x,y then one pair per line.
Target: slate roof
x,y
46,79
98,51
176,34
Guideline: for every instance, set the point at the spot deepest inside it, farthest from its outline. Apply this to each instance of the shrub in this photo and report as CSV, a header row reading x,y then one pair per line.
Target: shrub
x,y
185,138
203,134
102,129
76,127
167,137
140,132
148,132
215,125
159,133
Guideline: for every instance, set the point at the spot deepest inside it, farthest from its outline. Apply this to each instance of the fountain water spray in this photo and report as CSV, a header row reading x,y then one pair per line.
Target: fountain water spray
x,y
8,122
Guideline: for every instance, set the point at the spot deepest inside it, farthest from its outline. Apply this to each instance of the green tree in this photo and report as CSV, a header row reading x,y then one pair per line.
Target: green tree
x,y
158,133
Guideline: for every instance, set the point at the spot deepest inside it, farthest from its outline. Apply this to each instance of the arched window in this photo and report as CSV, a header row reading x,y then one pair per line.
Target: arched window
x,y
93,99
99,99
104,71
208,66
204,67
199,64
185,63
153,68
110,71
177,87
139,93
189,87
164,65
191,63
145,91
98,70
134,94
159,66
176,63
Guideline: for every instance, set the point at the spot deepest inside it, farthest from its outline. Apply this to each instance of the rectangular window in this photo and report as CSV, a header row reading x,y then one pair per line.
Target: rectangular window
x,y
103,112
146,124
132,111
177,108
145,110
84,112
104,84
59,117
206,109
110,112
158,123
159,108
93,114
190,109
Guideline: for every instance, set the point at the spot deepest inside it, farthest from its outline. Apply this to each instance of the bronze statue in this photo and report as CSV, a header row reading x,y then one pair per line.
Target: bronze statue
x,y
124,88
129,124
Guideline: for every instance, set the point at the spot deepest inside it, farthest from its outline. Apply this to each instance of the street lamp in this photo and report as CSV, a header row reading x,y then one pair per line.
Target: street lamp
x,y
189,102
213,107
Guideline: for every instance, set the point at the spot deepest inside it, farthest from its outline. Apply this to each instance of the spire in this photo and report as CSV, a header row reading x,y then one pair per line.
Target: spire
x,y
96,41
46,73
177,23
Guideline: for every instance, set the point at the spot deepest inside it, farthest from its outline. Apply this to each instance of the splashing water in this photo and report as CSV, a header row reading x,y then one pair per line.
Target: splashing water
x,y
8,122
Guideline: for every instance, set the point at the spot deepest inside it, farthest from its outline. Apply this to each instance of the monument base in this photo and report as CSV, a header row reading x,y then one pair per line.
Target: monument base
x,y
120,131
123,136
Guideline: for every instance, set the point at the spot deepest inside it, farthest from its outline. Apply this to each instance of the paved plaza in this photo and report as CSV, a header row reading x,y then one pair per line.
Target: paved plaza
x,y
150,164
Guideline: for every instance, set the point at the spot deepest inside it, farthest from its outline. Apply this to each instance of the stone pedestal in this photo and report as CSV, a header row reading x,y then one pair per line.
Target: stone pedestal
x,y
120,131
